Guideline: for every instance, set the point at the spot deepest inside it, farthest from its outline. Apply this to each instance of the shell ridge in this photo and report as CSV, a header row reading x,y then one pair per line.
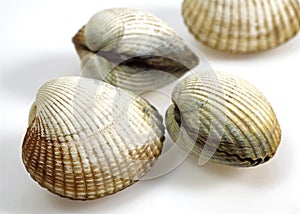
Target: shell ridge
x,y
253,20
252,133
230,24
233,110
240,28
210,12
138,163
125,146
125,164
275,23
296,6
245,105
282,26
227,132
113,176
246,27
29,147
86,137
286,17
226,87
221,22
125,128
210,31
48,115
69,138
290,19
262,25
107,160
215,91
43,161
215,119
194,4
76,158
41,118
252,97
199,24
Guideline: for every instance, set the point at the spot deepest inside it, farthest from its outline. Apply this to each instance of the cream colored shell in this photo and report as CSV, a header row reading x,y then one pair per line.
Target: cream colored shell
x,y
123,46
242,26
223,117
87,139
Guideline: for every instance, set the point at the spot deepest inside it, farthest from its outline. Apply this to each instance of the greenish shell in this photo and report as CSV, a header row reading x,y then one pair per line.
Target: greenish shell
x,y
223,118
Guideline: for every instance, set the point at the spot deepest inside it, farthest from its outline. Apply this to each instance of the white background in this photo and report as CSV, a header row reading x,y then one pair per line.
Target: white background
x,y
35,46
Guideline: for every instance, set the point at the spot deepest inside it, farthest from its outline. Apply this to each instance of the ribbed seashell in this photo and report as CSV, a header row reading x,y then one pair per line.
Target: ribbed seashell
x,y
223,118
123,46
87,139
242,26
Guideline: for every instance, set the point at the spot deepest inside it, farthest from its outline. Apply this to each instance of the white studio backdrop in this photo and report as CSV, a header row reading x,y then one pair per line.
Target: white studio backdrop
x,y
36,47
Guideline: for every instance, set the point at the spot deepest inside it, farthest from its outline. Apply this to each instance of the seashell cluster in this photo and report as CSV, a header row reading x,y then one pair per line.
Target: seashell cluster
x,y
87,139
224,118
242,26
125,47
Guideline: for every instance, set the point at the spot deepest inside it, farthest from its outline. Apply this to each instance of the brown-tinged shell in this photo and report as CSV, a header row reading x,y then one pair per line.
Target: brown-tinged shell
x,y
87,139
124,47
242,26
223,118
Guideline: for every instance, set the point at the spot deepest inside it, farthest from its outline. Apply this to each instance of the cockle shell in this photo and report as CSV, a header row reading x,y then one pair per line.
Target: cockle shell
x,y
125,46
224,118
87,139
242,26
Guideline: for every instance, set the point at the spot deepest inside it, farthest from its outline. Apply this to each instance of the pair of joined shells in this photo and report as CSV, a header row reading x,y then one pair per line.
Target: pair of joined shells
x,y
132,49
87,139
223,118
242,26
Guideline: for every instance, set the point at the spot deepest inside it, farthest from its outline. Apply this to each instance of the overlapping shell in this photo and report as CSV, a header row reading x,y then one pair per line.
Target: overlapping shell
x,y
87,139
242,26
224,118
125,47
